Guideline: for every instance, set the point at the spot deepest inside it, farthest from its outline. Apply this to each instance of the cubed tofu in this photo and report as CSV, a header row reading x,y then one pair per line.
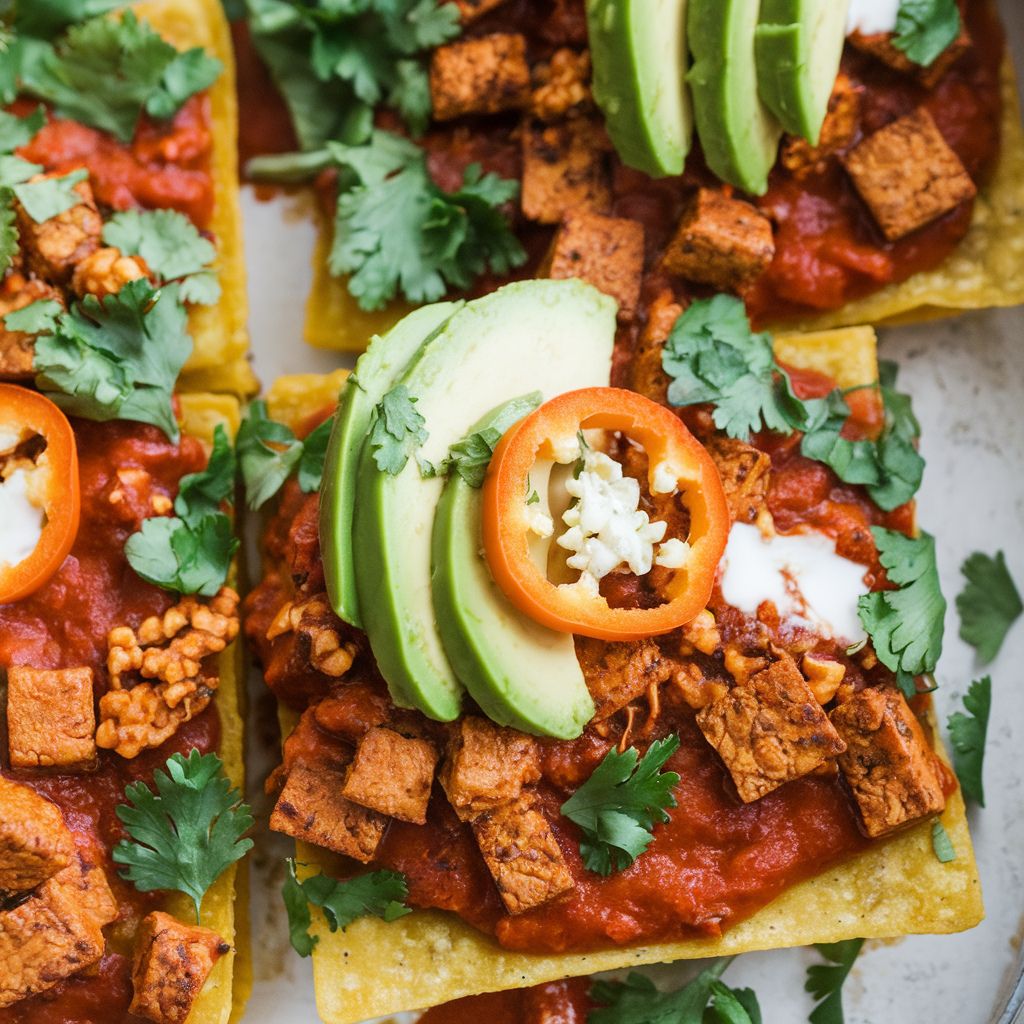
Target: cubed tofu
x,y
105,272
649,377
721,241
562,84
35,843
745,473
618,673
53,247
485,75
522,854
879,45
172,962
565,167
607,252
392,774
888,763
51,720
770,730
312,808
908,175
487,765
470,10
837,131
55,933
17,348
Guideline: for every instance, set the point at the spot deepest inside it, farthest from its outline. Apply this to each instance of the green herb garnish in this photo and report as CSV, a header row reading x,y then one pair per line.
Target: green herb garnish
x,y
967,734
926,28
398,430
942,845
989,604
825,981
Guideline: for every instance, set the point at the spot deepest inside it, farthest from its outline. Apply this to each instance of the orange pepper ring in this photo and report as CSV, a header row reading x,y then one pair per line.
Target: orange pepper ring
x,y
671,449
21,408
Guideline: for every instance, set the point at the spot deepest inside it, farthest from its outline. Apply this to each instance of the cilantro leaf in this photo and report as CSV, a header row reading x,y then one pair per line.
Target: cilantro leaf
x,y
183,837
172,247
15,171
314,453
825,981
379,894
619,805
967,734
36,318
942,845
989,604
19,131
471,456
119,358
45,19
397,431
8,235
926,28
906,625
49,197
106,71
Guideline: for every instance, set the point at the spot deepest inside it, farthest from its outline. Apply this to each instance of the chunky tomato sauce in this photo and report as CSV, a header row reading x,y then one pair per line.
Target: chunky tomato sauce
x,y
166,165
64,625
558,1002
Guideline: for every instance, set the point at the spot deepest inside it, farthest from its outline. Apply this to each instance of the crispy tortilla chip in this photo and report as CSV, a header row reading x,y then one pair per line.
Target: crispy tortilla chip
x,y
897,887
219,332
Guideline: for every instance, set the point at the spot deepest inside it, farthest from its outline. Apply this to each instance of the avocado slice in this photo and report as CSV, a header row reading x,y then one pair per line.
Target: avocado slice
x,y
376,372
639,55
799,44
519,672
552,336
738,133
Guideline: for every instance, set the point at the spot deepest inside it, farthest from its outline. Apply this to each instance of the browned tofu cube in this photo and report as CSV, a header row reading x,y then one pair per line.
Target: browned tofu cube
x,y
54,246
34,841
837,131
85,881
770,730
607,252
908,175
617,673
470,10
51,721
720,241
172,962
561,84
565,167
312,808
392,774
879,45
888,762
487,765
522,854
648,373
480,76
16,347
745,472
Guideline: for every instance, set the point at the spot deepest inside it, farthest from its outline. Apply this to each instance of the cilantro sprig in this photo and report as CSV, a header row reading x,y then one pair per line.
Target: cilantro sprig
x,y
191,551
942,845
619,805
15,173
379,894
184,836
397,431
269,452
825,981
704,1000
989,604
967,733
926,28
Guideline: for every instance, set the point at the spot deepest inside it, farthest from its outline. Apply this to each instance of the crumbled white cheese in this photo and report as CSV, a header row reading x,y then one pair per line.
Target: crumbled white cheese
x,y
673,554
801,574
607,529
22,519
664,481
538,521
871,16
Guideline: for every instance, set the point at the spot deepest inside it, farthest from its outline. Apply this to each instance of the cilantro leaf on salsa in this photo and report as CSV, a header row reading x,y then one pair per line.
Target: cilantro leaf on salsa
x,y
825,981
49,197
191,551
379,894
397,430
619,805
184,836
967,734
906,625
314,454
19,131
45,19
926,28
989,604
14,132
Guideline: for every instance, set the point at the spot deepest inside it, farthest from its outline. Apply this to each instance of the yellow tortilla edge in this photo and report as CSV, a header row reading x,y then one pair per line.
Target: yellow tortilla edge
x,y
985,271
219,332
895,888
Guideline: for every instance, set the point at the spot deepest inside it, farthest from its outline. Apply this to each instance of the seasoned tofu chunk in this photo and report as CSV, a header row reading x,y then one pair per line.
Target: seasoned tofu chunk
x,y
908,175
35,843
837,131
392,774
770,730
470,10
51,720
879,45
172,962
721,241
649,377
522,854
617,673
745,472
888,763
480,76
565,167
312,808
105,272
607,252
561,84
487,765
53,248
17,347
